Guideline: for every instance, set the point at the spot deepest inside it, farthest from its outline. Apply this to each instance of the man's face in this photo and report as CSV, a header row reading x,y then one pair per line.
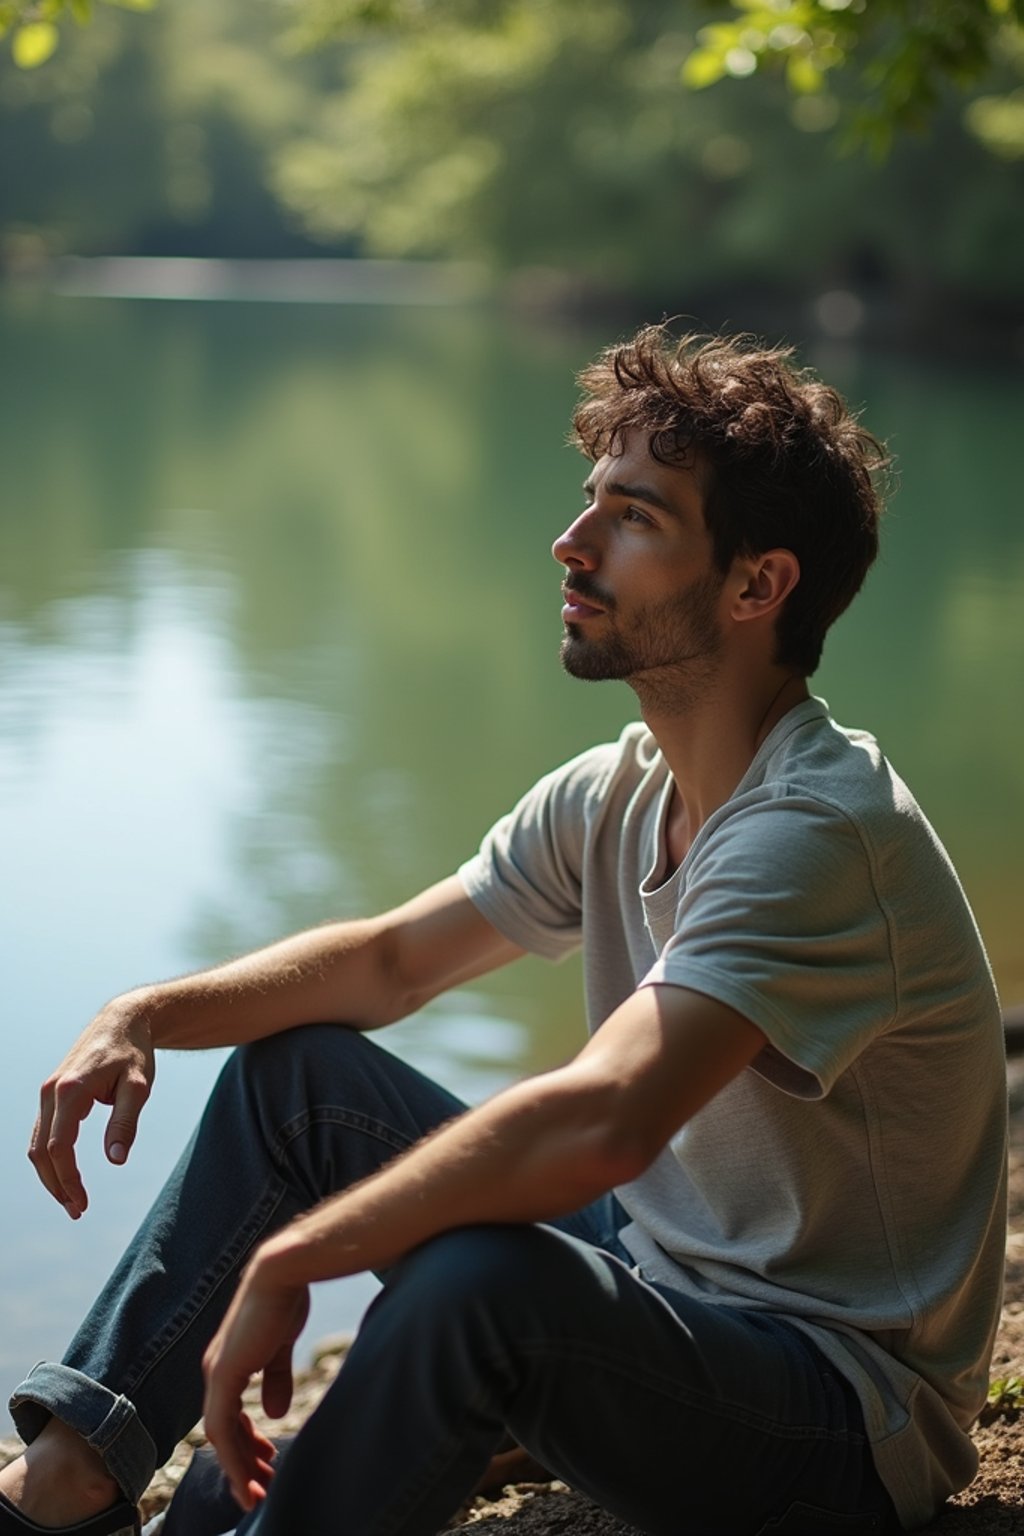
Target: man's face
x,y
641,589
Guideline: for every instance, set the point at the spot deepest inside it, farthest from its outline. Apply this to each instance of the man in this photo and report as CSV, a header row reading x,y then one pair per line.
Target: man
x,y
733,1268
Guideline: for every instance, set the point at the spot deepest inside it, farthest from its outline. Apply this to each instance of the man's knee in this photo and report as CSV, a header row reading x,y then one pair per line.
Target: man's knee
x,y
275,1088
293,1061
305,1046
501,1273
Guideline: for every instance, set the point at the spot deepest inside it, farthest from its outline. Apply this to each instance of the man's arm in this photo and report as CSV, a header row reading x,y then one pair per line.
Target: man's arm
x,y
539,1149
363,973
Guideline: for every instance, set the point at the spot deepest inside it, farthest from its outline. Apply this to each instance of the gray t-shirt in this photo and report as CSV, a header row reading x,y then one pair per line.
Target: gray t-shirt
x,y
852,1178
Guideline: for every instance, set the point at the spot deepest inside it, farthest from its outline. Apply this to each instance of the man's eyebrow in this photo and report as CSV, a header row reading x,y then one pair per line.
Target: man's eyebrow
x,y
636,492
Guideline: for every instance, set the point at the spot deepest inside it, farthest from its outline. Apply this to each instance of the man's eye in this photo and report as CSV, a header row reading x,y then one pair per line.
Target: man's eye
x,y
634,515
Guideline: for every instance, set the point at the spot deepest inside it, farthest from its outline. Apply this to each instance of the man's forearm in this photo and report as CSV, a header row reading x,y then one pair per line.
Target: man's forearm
x,y
365,973
536,1151
340,972
542,1148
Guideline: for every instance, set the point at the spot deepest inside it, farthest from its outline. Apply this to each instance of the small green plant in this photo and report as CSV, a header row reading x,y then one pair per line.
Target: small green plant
x,y
1006,1394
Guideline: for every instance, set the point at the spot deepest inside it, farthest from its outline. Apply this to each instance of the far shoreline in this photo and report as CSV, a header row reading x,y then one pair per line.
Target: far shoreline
x,y
845,313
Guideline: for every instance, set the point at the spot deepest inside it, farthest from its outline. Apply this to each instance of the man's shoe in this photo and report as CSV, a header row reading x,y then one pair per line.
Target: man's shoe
x,y
122,1519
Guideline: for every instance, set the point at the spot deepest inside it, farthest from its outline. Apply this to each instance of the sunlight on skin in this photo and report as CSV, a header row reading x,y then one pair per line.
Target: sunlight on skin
x,y
59,1479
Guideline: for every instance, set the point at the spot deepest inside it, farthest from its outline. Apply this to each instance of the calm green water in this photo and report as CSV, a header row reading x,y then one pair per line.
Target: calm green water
x,y
278,640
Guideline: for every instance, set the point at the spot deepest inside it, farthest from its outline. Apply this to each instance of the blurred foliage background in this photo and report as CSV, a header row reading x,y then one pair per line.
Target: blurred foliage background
x,y
872,146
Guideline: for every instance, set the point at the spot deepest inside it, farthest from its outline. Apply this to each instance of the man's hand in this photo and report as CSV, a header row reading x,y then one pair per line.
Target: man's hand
x,y
111,1063
257,1334
383,968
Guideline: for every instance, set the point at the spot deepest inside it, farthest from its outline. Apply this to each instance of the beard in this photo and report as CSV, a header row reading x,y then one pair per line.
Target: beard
x,y
678,638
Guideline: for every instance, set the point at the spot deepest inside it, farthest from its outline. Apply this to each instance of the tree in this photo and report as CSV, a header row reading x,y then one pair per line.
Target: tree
x,y
558,135
552,136
900,58
904,56
151,135
904,53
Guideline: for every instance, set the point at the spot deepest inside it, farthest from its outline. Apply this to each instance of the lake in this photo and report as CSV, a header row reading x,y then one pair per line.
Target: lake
x,y
278,641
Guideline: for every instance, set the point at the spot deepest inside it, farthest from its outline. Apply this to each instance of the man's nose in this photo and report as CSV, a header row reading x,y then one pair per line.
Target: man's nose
x,y
576,546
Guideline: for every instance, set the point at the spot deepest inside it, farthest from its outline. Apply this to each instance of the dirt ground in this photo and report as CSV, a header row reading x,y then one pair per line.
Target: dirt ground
x,y
992,1506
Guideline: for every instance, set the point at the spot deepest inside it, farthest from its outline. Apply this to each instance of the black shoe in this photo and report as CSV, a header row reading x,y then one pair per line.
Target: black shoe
x,y
203,1504
122,1519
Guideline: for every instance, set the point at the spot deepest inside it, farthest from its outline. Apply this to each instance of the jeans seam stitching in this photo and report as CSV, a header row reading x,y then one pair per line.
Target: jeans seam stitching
x,y
330,1115
214,1278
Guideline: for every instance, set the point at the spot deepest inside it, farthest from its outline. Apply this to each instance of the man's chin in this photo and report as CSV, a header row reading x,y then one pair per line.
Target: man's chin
x,y
591,663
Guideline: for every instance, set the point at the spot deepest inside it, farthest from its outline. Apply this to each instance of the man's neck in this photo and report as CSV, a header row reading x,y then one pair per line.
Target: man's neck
x,y
709,740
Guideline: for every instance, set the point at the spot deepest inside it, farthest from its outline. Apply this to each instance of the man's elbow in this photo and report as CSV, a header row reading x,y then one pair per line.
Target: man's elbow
x,y
614,1144
624,1154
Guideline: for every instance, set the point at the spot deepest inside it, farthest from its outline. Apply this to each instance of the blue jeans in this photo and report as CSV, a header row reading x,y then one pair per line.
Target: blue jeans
x,y
674,1414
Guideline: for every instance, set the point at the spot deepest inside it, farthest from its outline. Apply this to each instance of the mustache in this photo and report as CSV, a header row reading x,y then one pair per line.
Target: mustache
x,y
582,585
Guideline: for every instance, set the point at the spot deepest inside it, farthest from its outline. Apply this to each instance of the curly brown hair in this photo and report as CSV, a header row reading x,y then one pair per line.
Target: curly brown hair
x,y
780,458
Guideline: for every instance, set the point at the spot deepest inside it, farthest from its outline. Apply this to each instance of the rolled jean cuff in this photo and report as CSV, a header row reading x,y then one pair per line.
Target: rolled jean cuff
x,y
105,1420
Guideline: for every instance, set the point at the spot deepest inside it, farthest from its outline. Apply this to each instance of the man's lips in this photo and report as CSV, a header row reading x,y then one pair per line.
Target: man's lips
x,y
578,607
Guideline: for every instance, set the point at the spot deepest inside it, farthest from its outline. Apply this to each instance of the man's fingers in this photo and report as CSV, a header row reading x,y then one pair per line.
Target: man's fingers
x,y
132,1093
222,1418
222,1433
71,1105
239,1449
264,1451
111,1063
259,1453
37,1153
278,1385
38,1147
276,1391
257,1333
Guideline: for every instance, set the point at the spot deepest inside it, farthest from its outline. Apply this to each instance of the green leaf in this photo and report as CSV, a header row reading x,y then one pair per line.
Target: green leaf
x,y
1007,1393
33,44
803,75
702,68
998,121
81,10
721,35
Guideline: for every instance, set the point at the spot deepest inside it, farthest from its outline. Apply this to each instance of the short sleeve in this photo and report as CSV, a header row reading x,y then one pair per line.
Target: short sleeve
x,y
527,878
780,919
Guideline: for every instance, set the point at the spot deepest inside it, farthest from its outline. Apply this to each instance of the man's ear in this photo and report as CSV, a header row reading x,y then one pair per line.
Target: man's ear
x,y
764,582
